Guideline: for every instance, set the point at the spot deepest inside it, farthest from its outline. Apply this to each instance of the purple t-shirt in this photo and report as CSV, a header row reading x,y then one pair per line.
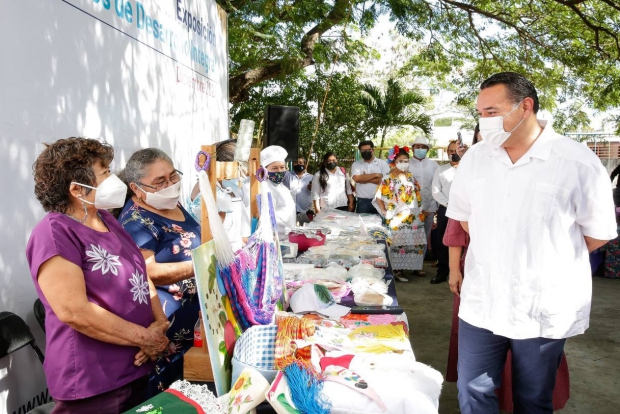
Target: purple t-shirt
x,y
77,366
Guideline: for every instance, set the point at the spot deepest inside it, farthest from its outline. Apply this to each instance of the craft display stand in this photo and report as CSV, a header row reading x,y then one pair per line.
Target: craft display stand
x,y
196,362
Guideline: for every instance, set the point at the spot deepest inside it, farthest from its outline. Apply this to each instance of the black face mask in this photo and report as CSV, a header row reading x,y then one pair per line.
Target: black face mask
x,y
456,157
331,165
366,155
299,168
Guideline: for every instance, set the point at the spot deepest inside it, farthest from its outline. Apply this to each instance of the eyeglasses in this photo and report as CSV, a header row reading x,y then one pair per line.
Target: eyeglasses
x,y
174,178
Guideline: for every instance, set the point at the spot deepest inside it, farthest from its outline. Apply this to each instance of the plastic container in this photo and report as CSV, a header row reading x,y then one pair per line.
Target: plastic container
x,y
197,334
304,242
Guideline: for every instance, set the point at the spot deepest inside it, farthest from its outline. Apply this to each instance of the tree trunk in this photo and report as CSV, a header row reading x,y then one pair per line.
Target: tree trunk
x,y
382,140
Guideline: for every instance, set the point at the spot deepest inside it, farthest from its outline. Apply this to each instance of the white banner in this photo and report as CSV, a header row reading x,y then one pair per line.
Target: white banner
x,y
136,73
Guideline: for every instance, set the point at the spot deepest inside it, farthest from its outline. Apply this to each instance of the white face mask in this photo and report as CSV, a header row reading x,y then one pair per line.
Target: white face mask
x,y
403,165
492,129
165,199
109,194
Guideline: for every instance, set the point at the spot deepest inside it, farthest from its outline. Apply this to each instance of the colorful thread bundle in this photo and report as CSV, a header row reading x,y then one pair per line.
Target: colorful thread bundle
x,y
306,386
290,329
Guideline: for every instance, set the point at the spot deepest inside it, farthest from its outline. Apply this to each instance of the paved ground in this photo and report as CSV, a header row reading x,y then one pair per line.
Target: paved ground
x,y
593,358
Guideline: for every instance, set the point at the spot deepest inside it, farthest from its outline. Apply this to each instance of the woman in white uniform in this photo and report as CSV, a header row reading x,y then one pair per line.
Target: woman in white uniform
x,y
273,159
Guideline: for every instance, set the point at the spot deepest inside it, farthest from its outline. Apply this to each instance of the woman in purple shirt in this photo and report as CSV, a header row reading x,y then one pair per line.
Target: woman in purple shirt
x,y
104,324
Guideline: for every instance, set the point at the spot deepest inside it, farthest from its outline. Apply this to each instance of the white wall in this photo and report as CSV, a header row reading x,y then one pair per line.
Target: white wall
x,y
75,68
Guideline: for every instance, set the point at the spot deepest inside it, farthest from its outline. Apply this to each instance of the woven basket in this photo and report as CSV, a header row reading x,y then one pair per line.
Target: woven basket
x,y
256,349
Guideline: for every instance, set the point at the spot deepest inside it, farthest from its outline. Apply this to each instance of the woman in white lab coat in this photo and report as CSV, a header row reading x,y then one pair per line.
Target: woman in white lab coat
x,y
273,159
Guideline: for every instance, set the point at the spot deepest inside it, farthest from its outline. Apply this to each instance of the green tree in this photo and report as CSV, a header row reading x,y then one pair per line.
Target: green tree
x,y
570,48
393,108
572,119
331,114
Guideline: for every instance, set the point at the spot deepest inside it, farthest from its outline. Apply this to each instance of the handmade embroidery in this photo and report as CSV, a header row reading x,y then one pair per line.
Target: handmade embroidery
x,y
140,287
103,260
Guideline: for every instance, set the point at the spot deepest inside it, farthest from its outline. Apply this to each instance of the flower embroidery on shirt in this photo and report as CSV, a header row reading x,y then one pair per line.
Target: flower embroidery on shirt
x,y
140,287
103,260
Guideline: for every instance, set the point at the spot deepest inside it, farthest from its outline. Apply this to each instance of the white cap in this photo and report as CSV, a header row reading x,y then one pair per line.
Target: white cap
x,y
316,298
421,140
271,154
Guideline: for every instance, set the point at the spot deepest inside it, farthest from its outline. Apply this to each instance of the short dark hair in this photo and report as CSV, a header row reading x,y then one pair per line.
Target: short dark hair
x,y
517,85
368,142
63,162
225,150
476,132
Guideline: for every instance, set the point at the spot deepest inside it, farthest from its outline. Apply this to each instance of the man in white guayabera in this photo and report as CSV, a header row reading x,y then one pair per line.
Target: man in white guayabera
x,y
534,203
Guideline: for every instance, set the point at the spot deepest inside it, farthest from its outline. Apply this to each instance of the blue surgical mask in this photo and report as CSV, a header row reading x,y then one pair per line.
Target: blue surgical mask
x,y
420,153
276,177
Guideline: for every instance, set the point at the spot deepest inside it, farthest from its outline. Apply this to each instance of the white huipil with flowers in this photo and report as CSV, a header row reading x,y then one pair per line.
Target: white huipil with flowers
x,y
404,218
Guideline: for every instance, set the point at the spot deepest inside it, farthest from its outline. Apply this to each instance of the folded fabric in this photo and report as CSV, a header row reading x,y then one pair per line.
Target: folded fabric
x,y
380,339
422,385
182,398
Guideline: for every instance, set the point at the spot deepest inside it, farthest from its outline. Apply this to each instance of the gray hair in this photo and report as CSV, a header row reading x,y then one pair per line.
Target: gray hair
x,y
138,165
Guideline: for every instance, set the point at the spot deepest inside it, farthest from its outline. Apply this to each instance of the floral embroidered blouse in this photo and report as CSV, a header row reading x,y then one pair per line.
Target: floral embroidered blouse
x,y
170,240
79,366
402,198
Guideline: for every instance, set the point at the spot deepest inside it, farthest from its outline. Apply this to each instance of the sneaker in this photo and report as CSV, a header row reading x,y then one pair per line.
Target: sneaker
x,y
401,279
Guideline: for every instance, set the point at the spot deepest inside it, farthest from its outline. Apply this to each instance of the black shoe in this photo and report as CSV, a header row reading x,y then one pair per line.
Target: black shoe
x,y
438,279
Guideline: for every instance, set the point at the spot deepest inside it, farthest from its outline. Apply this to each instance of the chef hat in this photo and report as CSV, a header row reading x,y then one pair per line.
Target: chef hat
x,y
271,154
420,140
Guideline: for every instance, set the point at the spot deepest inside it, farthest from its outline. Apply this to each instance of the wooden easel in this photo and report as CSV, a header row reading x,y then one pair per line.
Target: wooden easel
x,y
196,362
253,165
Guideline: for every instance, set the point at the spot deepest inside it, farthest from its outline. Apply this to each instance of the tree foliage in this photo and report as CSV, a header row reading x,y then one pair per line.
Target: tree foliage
x,y
569,48
337,127
393,108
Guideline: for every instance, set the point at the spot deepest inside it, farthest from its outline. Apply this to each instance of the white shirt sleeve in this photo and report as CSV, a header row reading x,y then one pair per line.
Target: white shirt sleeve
x,y
287,179
347,184
460,204
316,186
436,189
355,169
595,212
385,168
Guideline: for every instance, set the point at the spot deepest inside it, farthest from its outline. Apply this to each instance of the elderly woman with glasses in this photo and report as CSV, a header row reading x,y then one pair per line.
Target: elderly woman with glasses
x,y
103,320
166,234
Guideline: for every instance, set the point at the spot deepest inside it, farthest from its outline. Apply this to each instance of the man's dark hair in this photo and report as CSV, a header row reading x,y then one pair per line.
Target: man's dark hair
x,y
517,85
361,144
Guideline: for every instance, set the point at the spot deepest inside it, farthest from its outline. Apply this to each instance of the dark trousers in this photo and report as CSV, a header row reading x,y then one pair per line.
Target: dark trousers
x,y
482,356
440,251
364,206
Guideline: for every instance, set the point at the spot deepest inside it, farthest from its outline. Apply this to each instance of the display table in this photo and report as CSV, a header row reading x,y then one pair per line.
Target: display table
x,y
389,278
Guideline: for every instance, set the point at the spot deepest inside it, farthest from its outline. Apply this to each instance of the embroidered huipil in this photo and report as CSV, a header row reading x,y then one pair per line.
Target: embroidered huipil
x,y
77,366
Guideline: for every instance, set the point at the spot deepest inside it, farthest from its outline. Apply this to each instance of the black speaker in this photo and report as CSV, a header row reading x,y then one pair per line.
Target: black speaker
x,y
282,127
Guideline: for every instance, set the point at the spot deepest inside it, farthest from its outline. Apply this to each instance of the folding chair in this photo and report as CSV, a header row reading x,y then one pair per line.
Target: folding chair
x,y
15,334
39,313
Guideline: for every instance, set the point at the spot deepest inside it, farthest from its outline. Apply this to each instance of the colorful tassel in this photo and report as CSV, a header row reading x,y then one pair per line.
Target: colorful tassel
x,y
306,388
